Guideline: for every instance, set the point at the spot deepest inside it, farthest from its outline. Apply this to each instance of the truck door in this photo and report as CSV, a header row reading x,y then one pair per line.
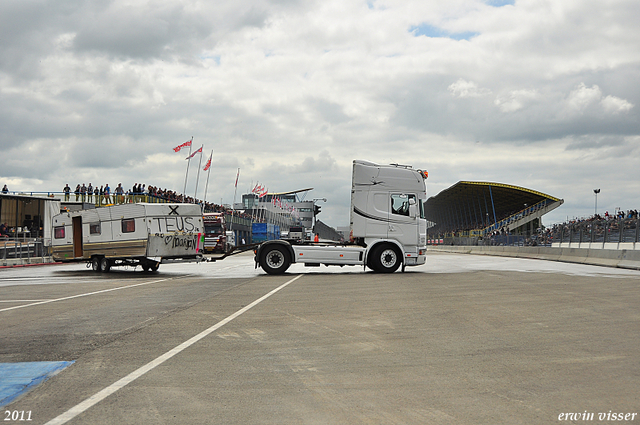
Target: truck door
x,y
403,219
77,237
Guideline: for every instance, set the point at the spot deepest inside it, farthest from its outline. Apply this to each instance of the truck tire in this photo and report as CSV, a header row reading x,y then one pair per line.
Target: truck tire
x,y
275,259
386,258
105,264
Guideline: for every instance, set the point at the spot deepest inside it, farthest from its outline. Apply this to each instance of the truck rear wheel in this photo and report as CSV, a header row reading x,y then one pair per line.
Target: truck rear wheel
x,y
386,259
275,260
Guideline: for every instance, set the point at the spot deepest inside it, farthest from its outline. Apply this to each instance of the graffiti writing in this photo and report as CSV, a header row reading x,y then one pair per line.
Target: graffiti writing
x,y
175,224
188,242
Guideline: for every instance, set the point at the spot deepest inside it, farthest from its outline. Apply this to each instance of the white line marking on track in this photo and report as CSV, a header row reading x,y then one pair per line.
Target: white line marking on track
x,y
20,301
106,392
82,295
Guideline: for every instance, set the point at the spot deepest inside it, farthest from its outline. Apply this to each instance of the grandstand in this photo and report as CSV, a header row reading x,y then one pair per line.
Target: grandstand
x,y
469,212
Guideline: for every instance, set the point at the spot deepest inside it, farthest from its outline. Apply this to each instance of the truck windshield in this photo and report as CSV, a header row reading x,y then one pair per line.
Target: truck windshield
x,y
212,229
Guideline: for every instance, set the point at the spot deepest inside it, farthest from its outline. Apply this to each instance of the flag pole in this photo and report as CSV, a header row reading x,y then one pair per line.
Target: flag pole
x,y
233,206
206,187
184,192
195,195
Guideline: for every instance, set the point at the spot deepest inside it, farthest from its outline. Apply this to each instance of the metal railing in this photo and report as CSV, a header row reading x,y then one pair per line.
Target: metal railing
x,y
99,200
23,249
598,232
517,216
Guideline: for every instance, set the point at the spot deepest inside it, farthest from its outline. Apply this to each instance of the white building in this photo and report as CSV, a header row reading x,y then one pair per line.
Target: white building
x,y
285,209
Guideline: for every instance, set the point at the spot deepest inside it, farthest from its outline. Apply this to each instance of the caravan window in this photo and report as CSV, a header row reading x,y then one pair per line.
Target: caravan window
x,y
94,229
128,225
58,232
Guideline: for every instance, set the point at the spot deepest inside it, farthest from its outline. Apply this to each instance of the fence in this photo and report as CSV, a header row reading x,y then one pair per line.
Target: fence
x,y
498,240
21,250
598,233
101,200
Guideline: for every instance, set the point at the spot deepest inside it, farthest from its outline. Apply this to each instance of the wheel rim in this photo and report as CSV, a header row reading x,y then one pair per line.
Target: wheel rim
x,y
275,259
95,265
388,258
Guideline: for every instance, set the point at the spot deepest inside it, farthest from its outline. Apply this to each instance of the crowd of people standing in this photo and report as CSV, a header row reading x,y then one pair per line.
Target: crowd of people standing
x,y
104,195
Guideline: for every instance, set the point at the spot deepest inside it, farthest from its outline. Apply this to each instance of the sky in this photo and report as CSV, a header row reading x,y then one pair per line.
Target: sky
x,y
542,94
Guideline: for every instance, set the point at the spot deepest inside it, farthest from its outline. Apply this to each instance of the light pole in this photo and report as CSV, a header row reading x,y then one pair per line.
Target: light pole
x,y
596,191
316,211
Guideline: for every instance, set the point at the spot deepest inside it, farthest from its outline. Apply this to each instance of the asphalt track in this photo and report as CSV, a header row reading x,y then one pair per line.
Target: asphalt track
x,y
462,340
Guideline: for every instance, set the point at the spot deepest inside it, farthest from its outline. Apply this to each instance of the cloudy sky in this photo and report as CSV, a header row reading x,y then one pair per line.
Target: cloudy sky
x,y
543,94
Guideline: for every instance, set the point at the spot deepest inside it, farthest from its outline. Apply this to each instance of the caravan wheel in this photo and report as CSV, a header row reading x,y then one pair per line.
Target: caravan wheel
x,y
105,264
150,266
95,264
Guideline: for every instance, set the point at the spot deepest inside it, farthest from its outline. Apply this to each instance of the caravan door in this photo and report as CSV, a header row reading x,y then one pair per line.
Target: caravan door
x,y
77,237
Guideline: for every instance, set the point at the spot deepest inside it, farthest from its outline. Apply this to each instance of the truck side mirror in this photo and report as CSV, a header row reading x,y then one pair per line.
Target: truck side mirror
x,y
413,210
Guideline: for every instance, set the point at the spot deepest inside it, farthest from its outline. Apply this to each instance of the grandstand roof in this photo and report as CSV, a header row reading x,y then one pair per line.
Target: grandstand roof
x,y
469,204
290,192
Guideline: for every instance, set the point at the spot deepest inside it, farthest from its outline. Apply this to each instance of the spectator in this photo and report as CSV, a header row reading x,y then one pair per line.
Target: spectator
x,y
107,193
67,191
90,193
77,192
5,189
119,194
3,230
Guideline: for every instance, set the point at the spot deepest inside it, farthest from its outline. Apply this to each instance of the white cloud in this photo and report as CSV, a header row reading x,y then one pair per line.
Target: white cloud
x,y
614,105
516,100
582,97
463,88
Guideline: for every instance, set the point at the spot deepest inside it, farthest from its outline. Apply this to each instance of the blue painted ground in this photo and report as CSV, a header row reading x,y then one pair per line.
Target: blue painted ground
x,y
18,378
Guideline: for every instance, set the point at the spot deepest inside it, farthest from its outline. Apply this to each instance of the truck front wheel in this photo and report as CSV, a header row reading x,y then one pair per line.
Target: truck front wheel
x,y
386,259
275,260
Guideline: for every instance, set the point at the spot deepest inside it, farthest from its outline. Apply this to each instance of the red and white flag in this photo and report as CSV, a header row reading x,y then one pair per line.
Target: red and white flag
x,y
208,164
184,145
237,175
194,154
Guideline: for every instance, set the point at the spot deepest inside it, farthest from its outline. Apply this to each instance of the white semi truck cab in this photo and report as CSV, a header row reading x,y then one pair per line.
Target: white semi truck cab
x,y
388,227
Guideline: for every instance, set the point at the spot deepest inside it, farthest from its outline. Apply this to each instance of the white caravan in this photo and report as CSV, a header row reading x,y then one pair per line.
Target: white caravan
x,y
388,227
129,235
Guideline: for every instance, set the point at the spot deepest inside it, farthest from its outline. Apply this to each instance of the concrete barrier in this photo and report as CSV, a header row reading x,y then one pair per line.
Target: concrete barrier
x,y
18,262
622,258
